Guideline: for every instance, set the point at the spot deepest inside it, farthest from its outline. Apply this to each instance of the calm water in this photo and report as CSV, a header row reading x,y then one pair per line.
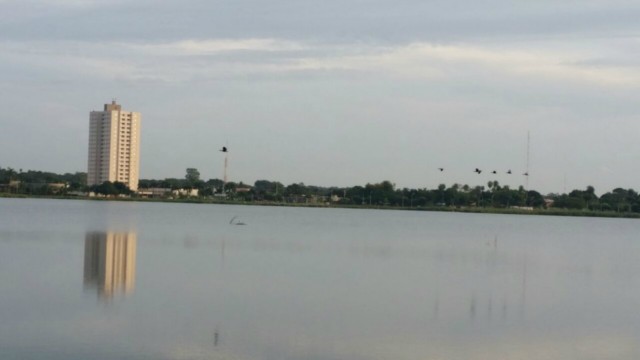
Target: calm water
x,y
107,280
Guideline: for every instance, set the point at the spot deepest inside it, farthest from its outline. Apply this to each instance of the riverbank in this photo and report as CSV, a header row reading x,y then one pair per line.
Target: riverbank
x,y
477,210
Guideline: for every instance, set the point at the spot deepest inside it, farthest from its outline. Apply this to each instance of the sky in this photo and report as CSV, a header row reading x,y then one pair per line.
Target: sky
x,y
332,92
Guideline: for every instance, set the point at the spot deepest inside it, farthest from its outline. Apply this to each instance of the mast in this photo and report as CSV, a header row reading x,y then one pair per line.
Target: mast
x,y
226,165
528,150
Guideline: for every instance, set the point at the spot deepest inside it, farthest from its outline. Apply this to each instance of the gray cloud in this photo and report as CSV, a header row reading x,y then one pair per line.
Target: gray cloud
x,y
333,20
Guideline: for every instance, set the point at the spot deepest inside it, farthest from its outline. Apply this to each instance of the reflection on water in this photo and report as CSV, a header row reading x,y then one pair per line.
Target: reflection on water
x,y
110,262
313,284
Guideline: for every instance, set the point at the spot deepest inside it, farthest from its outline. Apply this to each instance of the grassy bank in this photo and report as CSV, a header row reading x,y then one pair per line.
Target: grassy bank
x,y
477,210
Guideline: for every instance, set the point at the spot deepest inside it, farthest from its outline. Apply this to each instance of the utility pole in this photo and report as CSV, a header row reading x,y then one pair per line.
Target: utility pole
x,y
528,150
526,174
226,165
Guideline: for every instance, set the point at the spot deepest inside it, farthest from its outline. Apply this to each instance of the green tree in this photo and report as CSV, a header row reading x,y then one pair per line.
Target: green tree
x,y
268,190
230,186
383,193
192,177
296,189
569,202
441,189
106,188
112,188
535,199
122,188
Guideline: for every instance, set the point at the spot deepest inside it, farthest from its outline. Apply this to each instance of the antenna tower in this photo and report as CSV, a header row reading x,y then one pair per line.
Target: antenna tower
x,y
225,178
226,165
528,149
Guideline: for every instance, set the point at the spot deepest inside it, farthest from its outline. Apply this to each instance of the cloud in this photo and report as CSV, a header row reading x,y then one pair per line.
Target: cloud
x,y
188,59
424,59
60,3
213,46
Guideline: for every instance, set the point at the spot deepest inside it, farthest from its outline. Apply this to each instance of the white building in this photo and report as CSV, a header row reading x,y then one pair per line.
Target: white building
x,y
114,146
185,192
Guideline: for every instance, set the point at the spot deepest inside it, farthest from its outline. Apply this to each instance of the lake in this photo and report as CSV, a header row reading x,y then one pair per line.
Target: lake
x,y
126,280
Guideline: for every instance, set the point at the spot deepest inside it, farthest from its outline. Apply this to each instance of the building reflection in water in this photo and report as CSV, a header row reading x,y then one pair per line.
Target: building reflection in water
x,y
110,262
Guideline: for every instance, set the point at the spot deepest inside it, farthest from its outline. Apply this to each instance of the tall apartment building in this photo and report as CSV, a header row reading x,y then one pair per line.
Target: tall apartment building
x,y
114,146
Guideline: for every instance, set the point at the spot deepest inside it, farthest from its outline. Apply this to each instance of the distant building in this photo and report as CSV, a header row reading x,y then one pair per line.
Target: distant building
x,y
114,146
57,187
185,192
154,192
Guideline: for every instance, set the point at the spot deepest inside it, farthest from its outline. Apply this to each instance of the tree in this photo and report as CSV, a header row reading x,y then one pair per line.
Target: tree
x,y
441,189
535,199
174,183
357,195
383,193
122,188
76,181
106,188
5,175
451,195
569,202
477,194
263,187
192,176
621,200
296,189
230,186
268,190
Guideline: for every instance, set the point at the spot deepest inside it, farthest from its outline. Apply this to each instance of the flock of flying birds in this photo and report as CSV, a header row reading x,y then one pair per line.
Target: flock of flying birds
x,y
478,171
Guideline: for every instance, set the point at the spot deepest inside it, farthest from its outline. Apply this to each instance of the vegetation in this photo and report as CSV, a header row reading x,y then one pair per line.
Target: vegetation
x,y
490,198
108,188
34,182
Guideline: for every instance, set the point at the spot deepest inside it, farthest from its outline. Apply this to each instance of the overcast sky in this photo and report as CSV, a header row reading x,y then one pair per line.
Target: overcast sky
x,y
332,92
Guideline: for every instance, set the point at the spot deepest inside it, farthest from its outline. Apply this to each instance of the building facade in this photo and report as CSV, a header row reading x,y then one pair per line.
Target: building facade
x,y
114,146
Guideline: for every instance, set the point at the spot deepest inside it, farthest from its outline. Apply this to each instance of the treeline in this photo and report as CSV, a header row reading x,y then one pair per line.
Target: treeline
x,y
40,182
386,194
619,200
383,194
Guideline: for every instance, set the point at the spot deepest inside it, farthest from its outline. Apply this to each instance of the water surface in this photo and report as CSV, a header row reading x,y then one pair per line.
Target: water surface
x,y
123,280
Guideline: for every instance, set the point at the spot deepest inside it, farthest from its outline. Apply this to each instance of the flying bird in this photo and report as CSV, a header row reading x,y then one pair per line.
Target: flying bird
x,y
441,169
494,172
478,170
509,172
526,174
224,149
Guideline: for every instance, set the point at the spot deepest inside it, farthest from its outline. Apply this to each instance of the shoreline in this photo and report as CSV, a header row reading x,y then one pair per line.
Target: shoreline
x,y
468,210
